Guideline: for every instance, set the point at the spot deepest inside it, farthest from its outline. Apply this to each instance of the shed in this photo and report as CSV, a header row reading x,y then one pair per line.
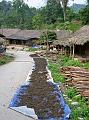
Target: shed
x,y
7,32
62,36
80,41
17,36
62,41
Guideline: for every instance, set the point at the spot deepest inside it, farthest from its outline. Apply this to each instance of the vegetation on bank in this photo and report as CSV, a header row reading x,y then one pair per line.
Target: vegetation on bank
x,y
5,59
77,104
33,49
54,68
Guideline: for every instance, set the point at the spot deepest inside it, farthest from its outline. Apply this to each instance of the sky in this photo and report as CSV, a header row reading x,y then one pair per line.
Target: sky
x,y
40,3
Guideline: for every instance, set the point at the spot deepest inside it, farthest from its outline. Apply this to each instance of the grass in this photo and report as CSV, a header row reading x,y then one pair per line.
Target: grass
x,y
5,59
68,61
54,68
70,92
33,49
80,111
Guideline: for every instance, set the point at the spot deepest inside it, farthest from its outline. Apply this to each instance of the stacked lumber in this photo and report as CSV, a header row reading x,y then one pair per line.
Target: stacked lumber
x,y
77,77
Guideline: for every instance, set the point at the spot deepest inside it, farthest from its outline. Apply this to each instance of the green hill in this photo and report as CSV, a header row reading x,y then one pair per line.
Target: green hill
x,y
76,7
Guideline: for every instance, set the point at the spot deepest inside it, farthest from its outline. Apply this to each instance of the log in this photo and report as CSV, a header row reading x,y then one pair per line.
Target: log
x,y
81,79
78,78
85,93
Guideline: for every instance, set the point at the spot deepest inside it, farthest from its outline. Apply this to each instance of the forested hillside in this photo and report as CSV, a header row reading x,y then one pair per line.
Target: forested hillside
x,y
17,14
77,7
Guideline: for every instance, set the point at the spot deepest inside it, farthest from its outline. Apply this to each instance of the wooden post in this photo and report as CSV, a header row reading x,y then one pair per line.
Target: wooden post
x,y
58,50
6,42
47,43
15,42
70,50
61,50
65,50
73,50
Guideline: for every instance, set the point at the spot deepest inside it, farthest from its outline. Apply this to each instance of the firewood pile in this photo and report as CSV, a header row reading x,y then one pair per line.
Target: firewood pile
x,y
51,54
41,53
77,77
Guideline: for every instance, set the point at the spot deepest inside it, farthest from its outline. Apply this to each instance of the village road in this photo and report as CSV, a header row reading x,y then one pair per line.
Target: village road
x,y
12,75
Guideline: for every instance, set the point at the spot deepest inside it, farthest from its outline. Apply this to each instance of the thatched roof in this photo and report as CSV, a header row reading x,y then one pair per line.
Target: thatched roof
x,y
7,32
18,34
80,37
62,36
25,35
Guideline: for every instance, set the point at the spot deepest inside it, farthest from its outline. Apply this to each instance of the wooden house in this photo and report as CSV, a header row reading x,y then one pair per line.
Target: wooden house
x,y
21,37
62,41
76,43
80,42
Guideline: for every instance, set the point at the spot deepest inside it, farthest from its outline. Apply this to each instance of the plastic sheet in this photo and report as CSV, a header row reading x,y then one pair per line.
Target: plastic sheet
x,y
14,104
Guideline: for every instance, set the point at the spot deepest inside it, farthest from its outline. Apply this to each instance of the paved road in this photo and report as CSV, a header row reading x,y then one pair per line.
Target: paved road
x,y
12,75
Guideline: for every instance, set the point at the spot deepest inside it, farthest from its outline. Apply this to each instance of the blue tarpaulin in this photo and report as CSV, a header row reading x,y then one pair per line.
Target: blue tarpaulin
x,y
14,104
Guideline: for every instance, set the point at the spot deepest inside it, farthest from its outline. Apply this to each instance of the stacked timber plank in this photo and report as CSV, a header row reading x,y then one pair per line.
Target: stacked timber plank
x,y
77,77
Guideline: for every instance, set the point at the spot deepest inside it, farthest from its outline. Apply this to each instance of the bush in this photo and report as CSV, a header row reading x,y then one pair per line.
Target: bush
x,y
68,61
75,63
84,15
81,111
5,59
71,92
69,26
86,65
64,59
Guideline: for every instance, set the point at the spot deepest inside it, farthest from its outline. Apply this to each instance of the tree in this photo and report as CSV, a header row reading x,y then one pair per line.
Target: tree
x,y
16,14
88,2
64,6
5,6
37,21
70,15
49,36
52,12
84,15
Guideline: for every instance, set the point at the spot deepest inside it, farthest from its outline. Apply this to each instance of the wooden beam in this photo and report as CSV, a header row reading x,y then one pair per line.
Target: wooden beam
x,y
61,50
70,50
65,50
73,50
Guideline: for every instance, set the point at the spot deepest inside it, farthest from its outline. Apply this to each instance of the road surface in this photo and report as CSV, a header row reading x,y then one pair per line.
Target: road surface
x,y
12,75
